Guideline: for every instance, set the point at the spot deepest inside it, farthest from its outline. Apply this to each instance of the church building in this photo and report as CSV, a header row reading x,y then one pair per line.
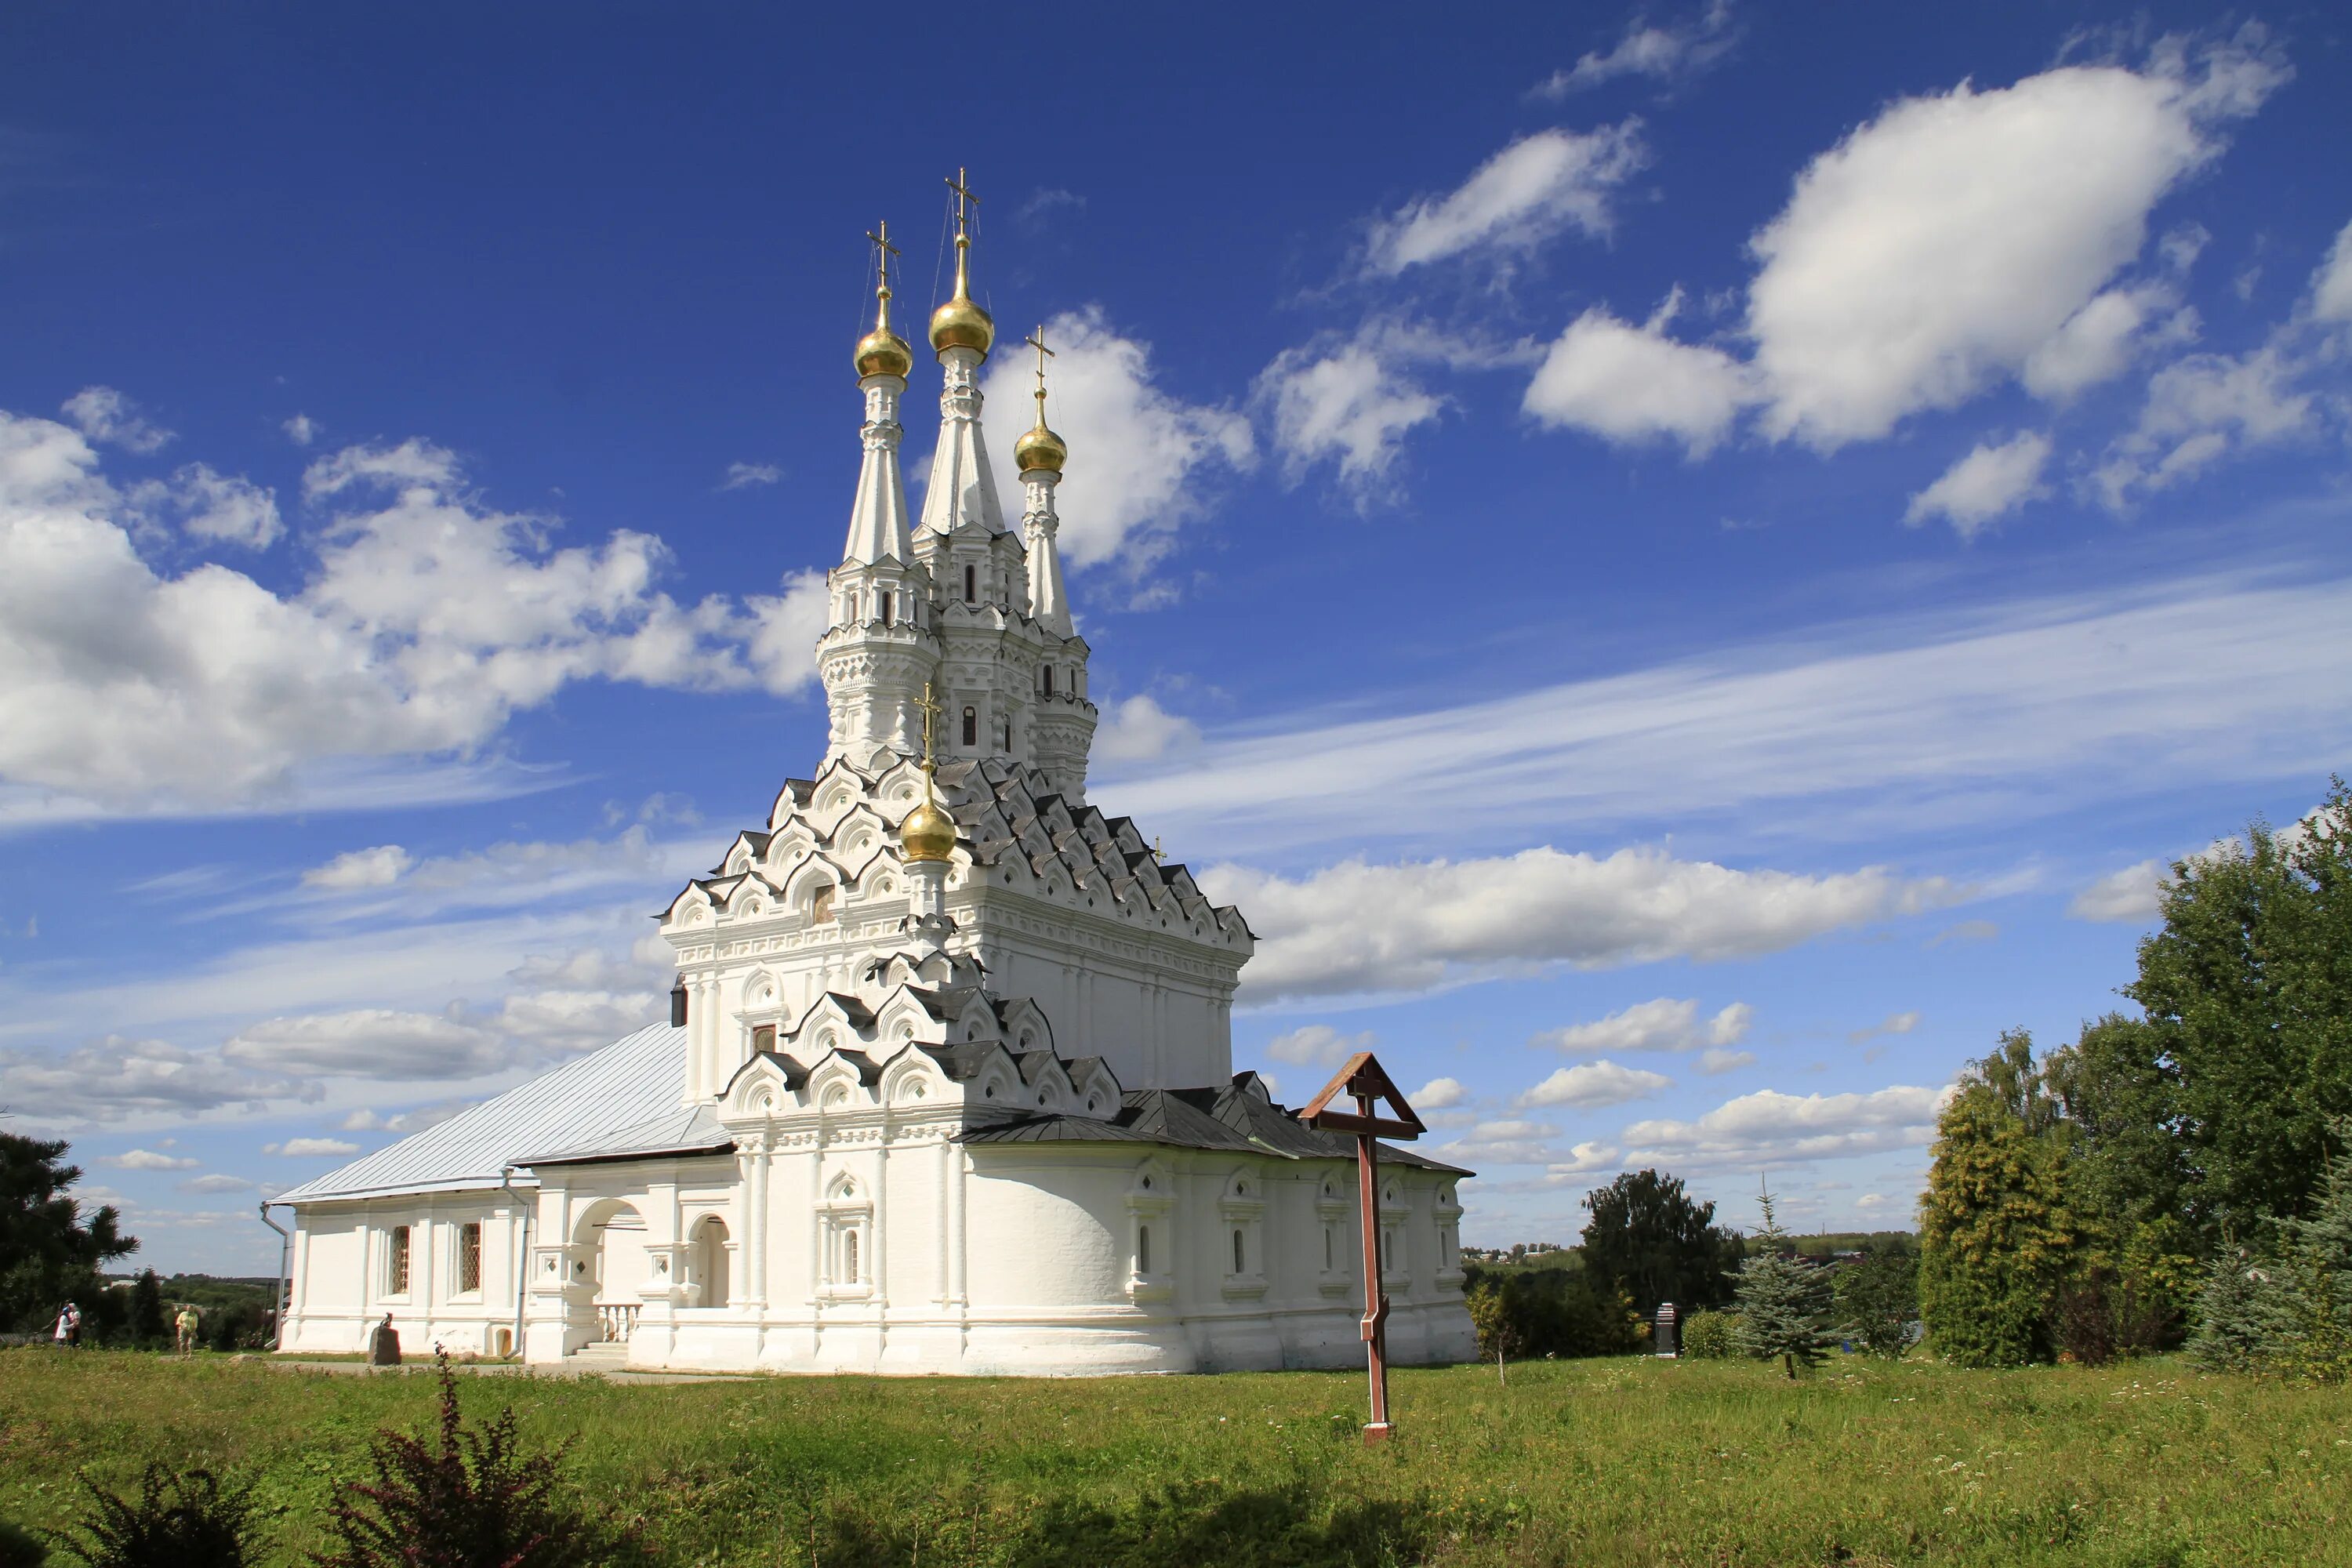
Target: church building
x,y
947,1081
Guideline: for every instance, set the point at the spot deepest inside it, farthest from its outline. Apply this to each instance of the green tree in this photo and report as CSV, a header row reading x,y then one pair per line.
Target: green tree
x,y
147,1325
2249,987
1878,1298
1994,1235
2127,1166
1786,1301
48,1253
1646,1235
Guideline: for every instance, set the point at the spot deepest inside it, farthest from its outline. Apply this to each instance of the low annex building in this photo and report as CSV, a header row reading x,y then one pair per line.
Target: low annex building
x,y
947,1084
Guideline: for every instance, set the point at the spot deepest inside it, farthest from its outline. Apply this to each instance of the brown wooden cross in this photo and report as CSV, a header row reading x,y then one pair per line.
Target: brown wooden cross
x,y
1363,1079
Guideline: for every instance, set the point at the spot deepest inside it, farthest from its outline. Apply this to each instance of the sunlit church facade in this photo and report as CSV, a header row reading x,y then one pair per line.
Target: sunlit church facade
x,y
947,1084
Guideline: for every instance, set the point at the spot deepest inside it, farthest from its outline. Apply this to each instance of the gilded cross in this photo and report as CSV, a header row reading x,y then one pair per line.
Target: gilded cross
x,y
928,707
883,250
1036,340
963,199
1157,852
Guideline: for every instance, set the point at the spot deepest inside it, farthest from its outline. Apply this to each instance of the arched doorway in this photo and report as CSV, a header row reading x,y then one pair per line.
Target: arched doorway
x,y
708,1259
609,1257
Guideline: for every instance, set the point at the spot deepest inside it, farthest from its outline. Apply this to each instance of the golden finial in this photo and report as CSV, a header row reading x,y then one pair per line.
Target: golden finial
x,y
1040,449
883,352
1158,854
959,323
929,833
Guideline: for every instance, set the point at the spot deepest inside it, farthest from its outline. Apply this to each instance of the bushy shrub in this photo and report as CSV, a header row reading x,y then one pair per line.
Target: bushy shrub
x,y
1711,1336
473,1500
2290,1311
1878,1299
1552,1312
184,1521
18,1549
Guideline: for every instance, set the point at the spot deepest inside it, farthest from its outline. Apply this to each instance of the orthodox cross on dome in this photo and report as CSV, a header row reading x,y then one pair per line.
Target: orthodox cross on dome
x,y
883,250
1036,340
929,707
1363,1079
965,200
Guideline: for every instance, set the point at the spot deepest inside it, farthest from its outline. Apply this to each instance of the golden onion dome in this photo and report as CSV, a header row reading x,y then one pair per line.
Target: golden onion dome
x,y
1040,449
959,323
884,352
929,833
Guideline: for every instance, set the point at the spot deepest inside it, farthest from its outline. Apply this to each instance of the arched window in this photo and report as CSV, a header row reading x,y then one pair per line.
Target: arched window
x,y
849,1275
887,605
1006,743
1049,680
1143,1249
1327,1246
395,1273
971,721
821,906
1240,1257
971,585
470,1255
763,1037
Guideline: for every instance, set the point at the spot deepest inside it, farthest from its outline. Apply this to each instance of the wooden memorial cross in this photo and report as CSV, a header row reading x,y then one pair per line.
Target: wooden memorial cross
x,y
1362,1078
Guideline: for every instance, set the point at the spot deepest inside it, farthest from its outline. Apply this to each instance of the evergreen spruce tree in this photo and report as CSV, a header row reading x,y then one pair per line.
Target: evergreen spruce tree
x,y
1786,1304
147,1325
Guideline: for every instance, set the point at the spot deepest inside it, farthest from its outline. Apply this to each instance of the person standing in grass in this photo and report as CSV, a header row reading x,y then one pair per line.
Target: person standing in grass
x,y
184,1325
69,1327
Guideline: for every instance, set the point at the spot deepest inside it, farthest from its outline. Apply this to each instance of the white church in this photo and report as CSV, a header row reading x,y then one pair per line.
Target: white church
x,y
947,1084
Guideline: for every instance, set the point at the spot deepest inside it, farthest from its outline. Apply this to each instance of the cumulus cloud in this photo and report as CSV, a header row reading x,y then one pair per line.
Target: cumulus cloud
x,y
1990,482
415,1120
114,1078
2198,410
148,1159
1418,926
1955,240
1316,1045
221,508
1344,404
105,415
2331,285
1715,1060
1509,1142
1666,52
1769,1128
1590,1085
215,1183
1139,729
2128,896
1139,454
300,430
310,1148
739,475
429,619
354,869
1661,1025
1538,187
372,1043
1438,1094
1634,383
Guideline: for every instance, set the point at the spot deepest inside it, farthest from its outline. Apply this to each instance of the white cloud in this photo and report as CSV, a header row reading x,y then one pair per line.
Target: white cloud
x,y
2035,705
1769,1128
739,475
301,429
1590,1085
2198,410
148,1159
106,415
1715,1060
229,509
1990,481
1661,1025
1941,244
1649,49
1316,1045
369,1120
114,1078
1893,1023
354,869
1585,1159
1538,186
1438,1094
1417,926
1511,1142
1629,383
215,1183
2099,342
370,1042
2331,285
428,621
310,1148
1345,403
1139,454
1139,729
2124,897
783,646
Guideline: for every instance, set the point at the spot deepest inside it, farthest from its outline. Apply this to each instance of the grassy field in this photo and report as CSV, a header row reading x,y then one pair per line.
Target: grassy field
x,y
1591,1463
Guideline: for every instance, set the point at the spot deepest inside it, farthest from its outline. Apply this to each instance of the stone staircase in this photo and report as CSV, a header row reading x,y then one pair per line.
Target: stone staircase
x,y
606,1356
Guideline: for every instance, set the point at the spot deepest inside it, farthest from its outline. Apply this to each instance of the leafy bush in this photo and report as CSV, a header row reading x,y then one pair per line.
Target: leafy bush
x,y
187,1521
2291,1312
475,1500
18,1549
1552,1312
1878,1299
1711,1336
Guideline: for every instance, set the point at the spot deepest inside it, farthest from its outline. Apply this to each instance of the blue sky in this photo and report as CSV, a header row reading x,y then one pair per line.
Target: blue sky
x,y
1684,565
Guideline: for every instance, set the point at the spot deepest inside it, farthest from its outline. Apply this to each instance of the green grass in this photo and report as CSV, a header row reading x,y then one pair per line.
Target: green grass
x,y
1591,1463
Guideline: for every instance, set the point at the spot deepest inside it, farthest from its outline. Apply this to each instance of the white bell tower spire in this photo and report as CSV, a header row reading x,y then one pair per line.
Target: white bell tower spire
x,y
961,489
879,649
1062,725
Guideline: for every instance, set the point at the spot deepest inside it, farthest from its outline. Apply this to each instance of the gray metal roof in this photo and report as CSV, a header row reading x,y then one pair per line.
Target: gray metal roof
x,y
680,1129
594,1100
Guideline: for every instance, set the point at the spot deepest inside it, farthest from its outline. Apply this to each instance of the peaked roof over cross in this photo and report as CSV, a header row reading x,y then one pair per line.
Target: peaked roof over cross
x,y
1363,1079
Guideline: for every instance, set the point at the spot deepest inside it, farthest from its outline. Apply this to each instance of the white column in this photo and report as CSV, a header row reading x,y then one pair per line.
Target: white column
x,y
755,1245
956,1175
940,1164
